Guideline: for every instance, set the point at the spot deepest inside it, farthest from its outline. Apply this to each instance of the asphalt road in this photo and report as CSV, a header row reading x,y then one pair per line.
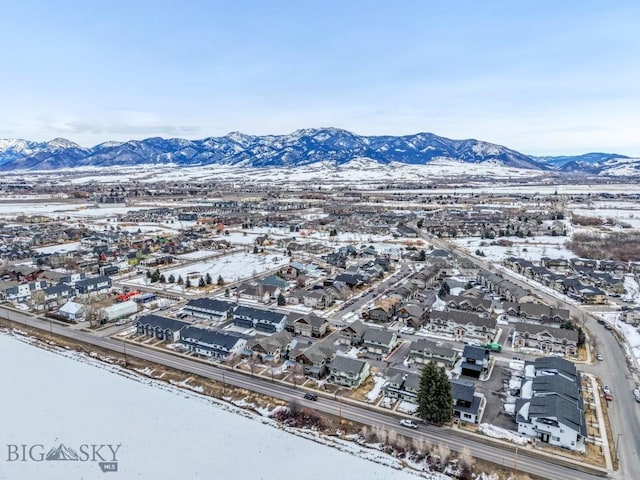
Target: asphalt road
x,y
624,411
524,460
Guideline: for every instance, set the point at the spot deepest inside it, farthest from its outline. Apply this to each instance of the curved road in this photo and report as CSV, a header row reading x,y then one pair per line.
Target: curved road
x,y
624,412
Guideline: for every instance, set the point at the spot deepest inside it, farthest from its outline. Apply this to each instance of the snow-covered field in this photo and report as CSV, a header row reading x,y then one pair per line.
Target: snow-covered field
x,y
164,432
528,248
232,268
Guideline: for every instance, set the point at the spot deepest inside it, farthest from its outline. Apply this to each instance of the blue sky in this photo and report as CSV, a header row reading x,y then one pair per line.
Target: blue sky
x,y
542,77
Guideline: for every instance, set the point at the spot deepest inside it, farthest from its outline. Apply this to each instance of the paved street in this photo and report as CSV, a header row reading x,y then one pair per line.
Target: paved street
x,y
527,461
624,412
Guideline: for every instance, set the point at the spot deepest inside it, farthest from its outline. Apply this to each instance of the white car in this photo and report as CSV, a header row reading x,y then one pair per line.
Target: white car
x,y
409,424
606,389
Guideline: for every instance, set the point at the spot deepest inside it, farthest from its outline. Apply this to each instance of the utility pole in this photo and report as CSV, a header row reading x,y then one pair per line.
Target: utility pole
x,y
124,348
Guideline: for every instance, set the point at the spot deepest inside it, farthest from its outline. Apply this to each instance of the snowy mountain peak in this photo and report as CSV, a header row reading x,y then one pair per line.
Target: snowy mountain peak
x,y
15,144
301,147
61,143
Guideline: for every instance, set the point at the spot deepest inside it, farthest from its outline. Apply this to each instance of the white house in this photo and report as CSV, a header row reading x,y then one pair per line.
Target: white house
x,y
551,408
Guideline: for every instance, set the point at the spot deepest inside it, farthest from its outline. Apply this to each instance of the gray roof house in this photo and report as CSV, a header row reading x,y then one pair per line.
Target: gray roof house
x,y
348,372
212,343
210,309
162,328
266,321
467,404
424,351
379,342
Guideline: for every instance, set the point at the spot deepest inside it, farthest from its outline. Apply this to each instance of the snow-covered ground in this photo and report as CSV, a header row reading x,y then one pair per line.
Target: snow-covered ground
x,y
497,432
528,248
163,432
231,268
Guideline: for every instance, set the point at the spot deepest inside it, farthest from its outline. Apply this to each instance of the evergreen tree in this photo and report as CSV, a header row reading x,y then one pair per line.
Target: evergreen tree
x,y
226,292
180,280
220,281
172,278
163,279
255,249
281,300
208,279
435,400
188,283
422,256
201,283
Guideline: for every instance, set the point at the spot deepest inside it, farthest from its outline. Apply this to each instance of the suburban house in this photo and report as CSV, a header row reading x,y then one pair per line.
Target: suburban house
x,y
536,312
315,359
475,361
379,342
210,309
424,351
307,325
352,334
57,294
93,285
413,314
467,404
271,348
316,298
402,385
348,372
460,324
547,339
551,407
22,291
212,343
265,321
383,309
472,304
162,328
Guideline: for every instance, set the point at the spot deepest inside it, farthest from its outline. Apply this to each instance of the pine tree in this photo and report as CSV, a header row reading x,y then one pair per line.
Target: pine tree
x,y
282,300
180,280
172,278
163,279
188,283
220,281
201,283
208,279
435,401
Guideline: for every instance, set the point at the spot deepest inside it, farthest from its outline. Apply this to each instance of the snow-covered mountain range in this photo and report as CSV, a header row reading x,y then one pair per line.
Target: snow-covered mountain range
x,y
302,147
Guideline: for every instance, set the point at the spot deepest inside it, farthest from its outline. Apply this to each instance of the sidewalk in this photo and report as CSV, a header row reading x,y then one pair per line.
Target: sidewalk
x,y
606,451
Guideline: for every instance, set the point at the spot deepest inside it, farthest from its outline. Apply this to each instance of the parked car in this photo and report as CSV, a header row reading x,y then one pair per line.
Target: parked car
x,y
608,397
409,423
606,389
311,396
599,357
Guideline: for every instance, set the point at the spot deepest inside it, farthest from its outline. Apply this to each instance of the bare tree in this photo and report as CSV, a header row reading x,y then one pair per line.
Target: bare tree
x,y
37,299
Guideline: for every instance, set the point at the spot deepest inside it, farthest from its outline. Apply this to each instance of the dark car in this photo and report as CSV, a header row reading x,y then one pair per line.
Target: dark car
x,y
311,396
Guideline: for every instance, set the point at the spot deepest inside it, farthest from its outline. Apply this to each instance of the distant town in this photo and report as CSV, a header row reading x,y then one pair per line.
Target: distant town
x,y
344,295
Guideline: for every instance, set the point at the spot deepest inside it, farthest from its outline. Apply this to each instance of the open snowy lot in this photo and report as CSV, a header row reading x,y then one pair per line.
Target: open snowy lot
x,y
232,268
157,431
